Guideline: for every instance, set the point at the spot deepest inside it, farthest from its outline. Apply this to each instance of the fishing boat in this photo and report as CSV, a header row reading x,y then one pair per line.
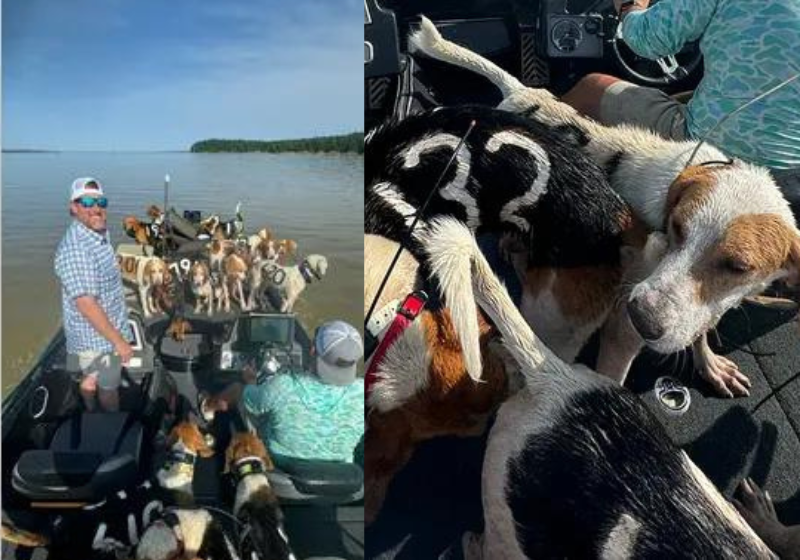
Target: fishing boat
x,y
82,485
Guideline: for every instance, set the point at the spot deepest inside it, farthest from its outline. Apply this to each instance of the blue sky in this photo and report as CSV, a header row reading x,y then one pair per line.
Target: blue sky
x,y
161,74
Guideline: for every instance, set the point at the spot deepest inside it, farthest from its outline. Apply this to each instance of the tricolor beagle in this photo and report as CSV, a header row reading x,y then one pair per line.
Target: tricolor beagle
x,y
731,231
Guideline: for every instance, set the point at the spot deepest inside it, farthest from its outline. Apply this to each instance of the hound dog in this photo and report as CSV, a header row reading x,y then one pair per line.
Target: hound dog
x,y
235,269
256,240
511,175
288,282
256,504
576,466
202,288
185,443
178,329
731,231
218,249
145,273
185,534
422,389
145,234
215,228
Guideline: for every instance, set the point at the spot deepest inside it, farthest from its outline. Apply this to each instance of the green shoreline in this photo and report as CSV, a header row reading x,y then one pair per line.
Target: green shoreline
x,y
344,143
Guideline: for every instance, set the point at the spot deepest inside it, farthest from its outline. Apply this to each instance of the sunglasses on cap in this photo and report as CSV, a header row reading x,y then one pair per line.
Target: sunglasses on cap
x,y
90,201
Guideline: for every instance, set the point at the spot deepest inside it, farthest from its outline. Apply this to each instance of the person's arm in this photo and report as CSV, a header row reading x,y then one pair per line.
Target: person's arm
x,y
88,307
78,277
664,28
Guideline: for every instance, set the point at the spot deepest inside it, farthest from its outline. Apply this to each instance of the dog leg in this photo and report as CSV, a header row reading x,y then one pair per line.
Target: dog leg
x,y
619,345
143,299
720,372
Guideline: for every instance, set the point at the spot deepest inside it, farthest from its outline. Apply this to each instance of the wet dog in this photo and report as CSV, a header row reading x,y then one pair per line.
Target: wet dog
x,y
422,389
576,466
145,273
202,289
731,231
255,504
511,175
185,443
287,283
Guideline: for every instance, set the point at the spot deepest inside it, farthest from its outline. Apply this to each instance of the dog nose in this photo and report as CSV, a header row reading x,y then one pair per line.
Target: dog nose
x,y
643,321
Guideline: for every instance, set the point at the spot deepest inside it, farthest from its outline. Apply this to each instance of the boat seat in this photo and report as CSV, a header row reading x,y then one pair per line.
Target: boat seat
x,y
91,456
323,482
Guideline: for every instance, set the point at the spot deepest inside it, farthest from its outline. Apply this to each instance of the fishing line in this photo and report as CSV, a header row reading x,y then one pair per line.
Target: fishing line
x,y
737,111
417,217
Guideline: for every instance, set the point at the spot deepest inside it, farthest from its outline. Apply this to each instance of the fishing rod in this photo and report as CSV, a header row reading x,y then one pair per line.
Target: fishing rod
x,y
417,217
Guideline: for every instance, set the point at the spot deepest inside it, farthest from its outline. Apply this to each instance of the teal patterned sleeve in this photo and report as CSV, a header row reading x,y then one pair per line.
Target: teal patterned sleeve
x,y
664,28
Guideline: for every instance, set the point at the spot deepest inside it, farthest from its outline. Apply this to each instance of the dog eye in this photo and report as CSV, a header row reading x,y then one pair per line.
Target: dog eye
x,y
736,266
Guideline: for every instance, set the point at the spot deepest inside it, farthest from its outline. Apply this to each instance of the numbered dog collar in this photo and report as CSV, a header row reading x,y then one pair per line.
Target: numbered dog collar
x,y
672,395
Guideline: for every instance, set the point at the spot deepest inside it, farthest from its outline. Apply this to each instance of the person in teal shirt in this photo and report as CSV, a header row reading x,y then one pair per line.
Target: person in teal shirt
x,y
749,46
307,415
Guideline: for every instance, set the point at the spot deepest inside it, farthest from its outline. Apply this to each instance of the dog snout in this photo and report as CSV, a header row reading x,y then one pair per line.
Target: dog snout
x,y
644,320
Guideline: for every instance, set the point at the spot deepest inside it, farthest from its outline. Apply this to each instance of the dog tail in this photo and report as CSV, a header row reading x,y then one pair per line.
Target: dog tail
x,y
488,292
450,248
429,41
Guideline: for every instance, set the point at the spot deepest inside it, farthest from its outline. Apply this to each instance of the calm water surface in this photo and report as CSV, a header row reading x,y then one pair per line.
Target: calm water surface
x,y
318,200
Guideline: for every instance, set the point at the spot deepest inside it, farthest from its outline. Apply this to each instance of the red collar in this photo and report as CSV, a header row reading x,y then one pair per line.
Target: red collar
x,y
411,307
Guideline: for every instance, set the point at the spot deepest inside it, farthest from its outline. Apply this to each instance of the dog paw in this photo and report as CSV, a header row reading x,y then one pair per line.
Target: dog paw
x,y
725,376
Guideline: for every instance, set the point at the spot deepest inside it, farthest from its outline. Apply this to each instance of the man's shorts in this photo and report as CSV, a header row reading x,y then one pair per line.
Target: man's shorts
x,y
627,103
105,367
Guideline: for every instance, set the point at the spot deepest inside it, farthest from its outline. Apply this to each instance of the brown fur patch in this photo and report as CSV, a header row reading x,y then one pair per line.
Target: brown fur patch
x,y
761,244
586,293
452,404
246,444
154,211
178,329
190,435
689,192
234,264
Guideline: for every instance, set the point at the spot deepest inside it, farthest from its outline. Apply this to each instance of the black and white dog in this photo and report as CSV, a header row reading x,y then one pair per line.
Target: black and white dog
x,y
511,175
576,466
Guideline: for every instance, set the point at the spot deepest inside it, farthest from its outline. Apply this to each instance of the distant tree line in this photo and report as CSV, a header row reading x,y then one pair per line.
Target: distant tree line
x,y
342,143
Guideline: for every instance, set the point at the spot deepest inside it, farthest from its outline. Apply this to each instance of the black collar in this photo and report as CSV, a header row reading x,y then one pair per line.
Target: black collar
x,y
308,274
175,456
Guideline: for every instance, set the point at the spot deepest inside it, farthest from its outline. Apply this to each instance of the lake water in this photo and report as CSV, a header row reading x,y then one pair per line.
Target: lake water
x,y
317,200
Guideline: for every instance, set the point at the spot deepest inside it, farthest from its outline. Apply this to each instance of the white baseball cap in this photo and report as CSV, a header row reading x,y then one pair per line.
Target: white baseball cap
x,y
85,186
339,348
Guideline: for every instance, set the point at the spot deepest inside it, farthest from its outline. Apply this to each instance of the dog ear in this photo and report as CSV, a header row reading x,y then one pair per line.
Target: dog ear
x,y
689,189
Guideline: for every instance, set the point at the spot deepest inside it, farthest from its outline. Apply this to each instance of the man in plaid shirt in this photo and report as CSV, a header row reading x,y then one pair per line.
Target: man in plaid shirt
x,y
92,299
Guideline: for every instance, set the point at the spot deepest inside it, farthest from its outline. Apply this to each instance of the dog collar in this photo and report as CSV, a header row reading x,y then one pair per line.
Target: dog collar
x,y
183,459
383,317
308,274
411,307
247,466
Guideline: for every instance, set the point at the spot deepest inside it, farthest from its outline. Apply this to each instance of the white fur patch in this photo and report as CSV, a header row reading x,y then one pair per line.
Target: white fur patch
x,y
622,539
403,372
539,186
389,193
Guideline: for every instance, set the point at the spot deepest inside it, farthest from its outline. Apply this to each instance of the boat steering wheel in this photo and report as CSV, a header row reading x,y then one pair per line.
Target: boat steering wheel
x,y
663,71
